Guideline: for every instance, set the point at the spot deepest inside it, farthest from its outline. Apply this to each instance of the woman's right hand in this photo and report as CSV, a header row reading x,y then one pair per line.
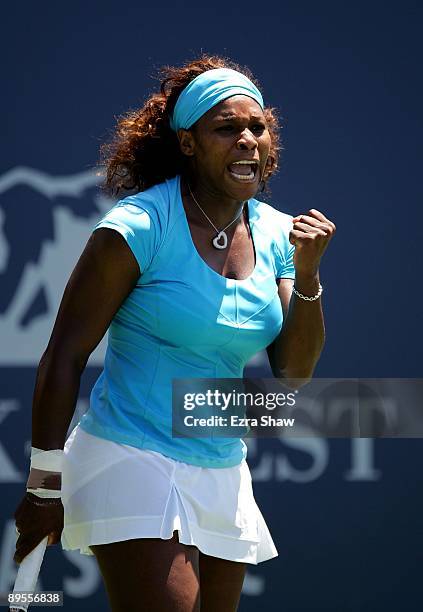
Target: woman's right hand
x,y
36,517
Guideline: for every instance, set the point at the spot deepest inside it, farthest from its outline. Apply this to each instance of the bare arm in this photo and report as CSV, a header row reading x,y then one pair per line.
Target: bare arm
x,y
105,274
296,351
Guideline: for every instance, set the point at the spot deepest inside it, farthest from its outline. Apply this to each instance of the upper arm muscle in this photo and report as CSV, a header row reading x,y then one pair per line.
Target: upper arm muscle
x,y
105,274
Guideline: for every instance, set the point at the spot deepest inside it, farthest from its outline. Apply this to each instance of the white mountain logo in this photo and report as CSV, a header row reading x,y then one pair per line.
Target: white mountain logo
x,y
45,222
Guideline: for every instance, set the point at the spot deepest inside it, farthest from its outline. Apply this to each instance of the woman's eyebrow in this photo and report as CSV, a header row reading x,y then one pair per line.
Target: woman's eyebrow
x,y
232,117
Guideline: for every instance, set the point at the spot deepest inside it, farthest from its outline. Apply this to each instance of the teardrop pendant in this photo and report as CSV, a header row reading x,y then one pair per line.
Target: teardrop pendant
x,y
220,245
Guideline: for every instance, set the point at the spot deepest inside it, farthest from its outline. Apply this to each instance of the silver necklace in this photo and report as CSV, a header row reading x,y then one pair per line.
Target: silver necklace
x,y
220,234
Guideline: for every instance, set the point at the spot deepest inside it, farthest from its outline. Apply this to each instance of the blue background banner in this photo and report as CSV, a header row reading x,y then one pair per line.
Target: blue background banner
x,y
345,77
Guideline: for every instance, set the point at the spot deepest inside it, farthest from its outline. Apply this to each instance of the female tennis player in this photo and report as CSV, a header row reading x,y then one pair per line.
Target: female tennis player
x,y
191,275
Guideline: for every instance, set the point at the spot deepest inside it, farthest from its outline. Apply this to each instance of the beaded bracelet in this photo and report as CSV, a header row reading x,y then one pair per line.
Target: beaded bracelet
x,y
305,297
42,501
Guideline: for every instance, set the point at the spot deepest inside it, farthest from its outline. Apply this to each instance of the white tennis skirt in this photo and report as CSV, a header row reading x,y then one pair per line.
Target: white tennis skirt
x,y
113,492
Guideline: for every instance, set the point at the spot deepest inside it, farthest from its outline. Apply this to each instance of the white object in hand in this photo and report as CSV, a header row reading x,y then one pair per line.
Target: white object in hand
x,y
28,571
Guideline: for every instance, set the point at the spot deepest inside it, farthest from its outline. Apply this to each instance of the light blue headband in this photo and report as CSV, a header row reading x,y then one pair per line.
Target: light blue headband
x,y
207,90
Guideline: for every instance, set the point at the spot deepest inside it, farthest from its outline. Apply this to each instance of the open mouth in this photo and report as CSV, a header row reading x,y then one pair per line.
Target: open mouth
x,y
244,171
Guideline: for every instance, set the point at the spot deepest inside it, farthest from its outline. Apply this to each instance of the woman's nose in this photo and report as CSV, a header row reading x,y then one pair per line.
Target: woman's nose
x,y
247,141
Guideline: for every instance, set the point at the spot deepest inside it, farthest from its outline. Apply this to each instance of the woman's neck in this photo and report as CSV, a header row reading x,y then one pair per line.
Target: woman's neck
x,y
220,209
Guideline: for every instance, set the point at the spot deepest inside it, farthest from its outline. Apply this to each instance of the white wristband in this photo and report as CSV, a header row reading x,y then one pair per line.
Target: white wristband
x,y
47,461
50,461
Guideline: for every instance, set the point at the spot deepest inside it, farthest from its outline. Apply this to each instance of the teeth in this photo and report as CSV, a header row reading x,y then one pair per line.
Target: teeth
x,y
245,161
243,177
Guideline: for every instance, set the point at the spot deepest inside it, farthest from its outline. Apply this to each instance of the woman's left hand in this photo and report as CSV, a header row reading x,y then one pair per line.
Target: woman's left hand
x,y
310,234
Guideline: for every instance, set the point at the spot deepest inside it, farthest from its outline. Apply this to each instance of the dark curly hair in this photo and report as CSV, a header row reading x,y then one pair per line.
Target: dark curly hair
x,y
144,150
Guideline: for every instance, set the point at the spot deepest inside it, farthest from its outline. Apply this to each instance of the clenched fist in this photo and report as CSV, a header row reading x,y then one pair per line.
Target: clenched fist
x,y
310,234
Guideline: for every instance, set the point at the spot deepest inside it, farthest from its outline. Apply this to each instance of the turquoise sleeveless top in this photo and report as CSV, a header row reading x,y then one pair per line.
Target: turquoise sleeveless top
x,y
183,320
